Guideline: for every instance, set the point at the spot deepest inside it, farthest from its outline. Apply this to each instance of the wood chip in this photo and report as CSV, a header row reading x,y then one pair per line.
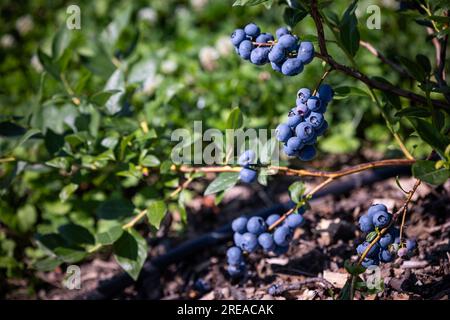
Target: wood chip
x,y
338,279
414,264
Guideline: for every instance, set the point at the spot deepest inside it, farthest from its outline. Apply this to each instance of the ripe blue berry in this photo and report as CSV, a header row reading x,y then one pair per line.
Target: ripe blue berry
x,y
411,245
259,56
249,242
386,256
367,262
264,38
292,67
282,236
288,41
236,270
304,131
277,54
365,223
295,143
301,210
256,225
245,49
376,207
294,220
246,158
239,225
381,219
283,132
313,103
306,47
325,93
302,109
265,240
272,219
276,67
315,119
321,130
289,152
252,30
294,119
303,94
307,153
248,175
237,37
281,32
279,250
386,240
234,255
237,238
305,57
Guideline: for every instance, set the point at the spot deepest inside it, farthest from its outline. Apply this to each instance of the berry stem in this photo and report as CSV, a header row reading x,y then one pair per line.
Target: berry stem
x,y
324,76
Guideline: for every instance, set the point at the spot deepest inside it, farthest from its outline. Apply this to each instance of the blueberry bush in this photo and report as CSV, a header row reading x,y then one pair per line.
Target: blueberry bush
x,y
87,117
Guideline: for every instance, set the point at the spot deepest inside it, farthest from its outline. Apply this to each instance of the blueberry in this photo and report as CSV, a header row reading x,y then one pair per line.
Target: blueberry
x,y
279,250
281,32
302,109
235,271
306,47
294,220
265,240
301,210
239,224
381,219
305,57
248,175
376,207
234,255
245,49
292,67
386,256
313,103
367,262
249,242
259,56
276,67
295,143
252,30
373,252
277,54
237,37
294,119
256,225
282,236
386,240
264,38
321,130
283,132
325,93
307,153
323,107
288,41
394,232
315,119
237,238
289,152
303,94
411,245
365,223
246,158
272,219
304,131
202,285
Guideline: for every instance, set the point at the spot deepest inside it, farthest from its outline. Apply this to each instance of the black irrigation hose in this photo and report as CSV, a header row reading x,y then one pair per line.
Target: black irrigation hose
x,y
109,288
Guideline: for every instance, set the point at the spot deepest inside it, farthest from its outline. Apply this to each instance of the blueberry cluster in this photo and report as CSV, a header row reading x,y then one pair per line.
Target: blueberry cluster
x,y
305,123
389,244
247,174
253,234
286,54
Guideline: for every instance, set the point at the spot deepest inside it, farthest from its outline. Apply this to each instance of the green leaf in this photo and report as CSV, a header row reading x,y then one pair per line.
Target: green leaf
x,y
111,33
349,34
27,217
430,134
296,191
110,236
49,65
416,112
130,252
150,161
248,2
30,133
115,209
75,234
293,16
10,129
425,170
235,119
115,83
61,41
47,264
424,63
353,268
414,69
372,235
346,91
156,211
100,98
70,255
59,163
224,181
67,191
